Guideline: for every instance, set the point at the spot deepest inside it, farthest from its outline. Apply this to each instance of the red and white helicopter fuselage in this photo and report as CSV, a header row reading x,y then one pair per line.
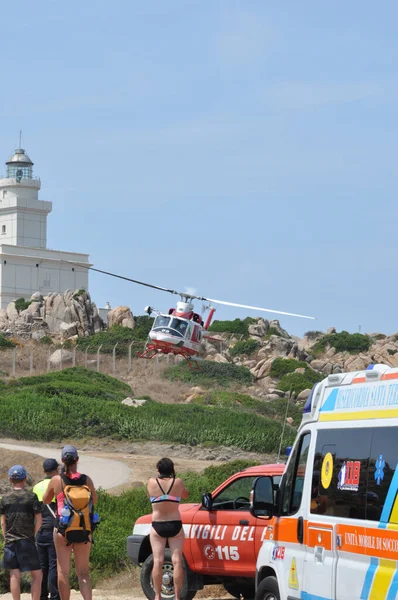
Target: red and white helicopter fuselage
x,y
178,332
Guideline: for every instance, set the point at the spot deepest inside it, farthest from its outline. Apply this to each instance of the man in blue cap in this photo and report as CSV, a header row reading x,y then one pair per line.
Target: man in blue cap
x,y
21,519
45,535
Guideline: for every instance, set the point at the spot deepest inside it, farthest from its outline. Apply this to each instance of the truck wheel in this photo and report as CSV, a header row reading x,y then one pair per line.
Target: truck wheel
x,y
236,590
268,590
167,592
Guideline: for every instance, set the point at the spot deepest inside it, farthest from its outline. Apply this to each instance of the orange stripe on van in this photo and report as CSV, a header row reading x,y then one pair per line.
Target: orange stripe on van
x,y
285,530
389,376
320,535
370,541
359,380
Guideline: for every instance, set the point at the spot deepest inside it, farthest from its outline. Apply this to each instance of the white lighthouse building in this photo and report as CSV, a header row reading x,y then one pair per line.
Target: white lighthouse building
x,y
26,265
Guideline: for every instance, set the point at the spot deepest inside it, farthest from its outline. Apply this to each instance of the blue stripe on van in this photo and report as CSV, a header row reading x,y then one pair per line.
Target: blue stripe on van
x,y
392,592
389,503
330,402
374,563
307,596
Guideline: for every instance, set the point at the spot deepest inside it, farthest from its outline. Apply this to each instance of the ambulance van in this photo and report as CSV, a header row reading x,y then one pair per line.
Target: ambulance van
x,y
334,535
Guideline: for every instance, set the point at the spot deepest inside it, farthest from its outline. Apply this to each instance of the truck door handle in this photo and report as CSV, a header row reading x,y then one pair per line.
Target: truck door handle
x,y
319,552
300,530
243,522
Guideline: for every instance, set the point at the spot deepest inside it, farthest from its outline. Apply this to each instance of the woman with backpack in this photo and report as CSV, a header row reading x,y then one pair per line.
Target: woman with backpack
x,y
165,493
73,530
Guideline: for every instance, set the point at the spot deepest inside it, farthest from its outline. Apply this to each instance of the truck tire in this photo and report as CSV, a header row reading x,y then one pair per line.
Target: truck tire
x,y
268,590
236,590
168,582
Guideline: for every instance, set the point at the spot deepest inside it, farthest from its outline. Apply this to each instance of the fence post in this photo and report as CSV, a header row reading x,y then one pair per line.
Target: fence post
x,y
31,362
14,360
48,361
74,356
85,359
129,367
114,358
98,358
61,364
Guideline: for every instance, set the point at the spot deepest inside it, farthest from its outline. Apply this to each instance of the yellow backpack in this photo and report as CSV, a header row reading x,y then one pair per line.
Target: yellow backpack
x,y
78,498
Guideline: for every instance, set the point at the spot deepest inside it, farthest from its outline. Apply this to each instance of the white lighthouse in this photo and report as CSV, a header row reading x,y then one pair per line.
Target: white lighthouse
x,y
26,265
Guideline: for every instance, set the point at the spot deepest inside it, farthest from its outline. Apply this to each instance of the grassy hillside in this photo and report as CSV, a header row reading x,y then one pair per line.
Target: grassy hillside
x,y
210,374
77,403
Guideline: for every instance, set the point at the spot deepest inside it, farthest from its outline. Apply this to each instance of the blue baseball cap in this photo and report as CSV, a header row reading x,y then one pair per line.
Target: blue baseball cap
x,y
17,473
69,451
49,465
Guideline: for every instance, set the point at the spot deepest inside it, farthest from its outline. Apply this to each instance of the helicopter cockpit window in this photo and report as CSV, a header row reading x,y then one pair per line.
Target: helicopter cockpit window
x,y
162,321
178,325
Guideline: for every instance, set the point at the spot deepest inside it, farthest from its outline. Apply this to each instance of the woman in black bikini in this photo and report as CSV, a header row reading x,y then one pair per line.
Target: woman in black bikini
x,y
165,493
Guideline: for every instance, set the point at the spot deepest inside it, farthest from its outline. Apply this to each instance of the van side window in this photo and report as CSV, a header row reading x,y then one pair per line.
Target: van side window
x,y
380,505
295,475
340,472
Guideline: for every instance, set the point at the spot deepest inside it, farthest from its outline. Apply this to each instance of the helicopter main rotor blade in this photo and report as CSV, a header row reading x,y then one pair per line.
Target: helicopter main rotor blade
x,y
268,310
150,285
185,295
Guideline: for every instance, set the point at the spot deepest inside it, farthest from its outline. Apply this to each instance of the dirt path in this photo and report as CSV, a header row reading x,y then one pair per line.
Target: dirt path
x,y
106,473
135,593
97,595
112,466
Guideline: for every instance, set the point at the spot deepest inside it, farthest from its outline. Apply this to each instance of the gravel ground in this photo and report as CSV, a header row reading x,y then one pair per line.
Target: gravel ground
x,y
97,595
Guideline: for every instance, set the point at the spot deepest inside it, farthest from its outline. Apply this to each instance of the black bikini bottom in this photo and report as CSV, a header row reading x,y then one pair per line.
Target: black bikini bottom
x,y
167,529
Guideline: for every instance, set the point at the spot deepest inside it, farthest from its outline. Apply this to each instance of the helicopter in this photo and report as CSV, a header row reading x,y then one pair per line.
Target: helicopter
x,y
180,331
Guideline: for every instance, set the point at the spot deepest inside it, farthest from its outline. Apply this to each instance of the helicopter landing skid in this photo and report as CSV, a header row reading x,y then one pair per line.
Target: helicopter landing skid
x,y
150,353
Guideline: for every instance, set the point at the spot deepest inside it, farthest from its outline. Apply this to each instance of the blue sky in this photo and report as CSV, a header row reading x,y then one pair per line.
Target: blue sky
x,y
247,149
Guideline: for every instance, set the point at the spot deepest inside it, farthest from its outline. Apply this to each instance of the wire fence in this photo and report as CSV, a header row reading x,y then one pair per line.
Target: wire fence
x,y
27,360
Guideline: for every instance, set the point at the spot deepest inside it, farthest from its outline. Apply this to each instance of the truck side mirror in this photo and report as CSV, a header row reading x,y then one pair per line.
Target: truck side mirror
x,y
207,501
262,497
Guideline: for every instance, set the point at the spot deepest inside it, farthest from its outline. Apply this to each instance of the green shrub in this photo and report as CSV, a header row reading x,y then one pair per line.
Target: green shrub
x,y
342,342
282,366
297,382
391,352
78,293
274,409
245,347
5,343
210,373
46,340
122,336
313,335
22,304
238,326
273,331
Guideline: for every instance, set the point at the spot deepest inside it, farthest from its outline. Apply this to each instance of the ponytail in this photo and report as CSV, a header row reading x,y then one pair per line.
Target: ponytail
x,y
68,462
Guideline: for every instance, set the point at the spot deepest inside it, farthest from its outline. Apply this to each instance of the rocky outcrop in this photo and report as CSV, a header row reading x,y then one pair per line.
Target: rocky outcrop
x,y
61,358
276,329
121,315
275,342
134,402
68,314
259,329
